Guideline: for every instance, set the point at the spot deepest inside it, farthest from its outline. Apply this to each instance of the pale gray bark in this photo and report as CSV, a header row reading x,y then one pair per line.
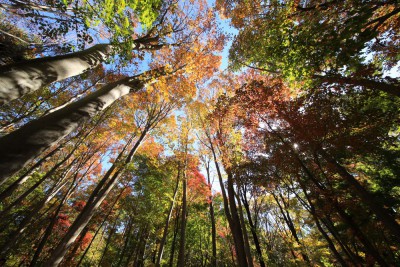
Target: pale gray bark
x,y
26,77
23,145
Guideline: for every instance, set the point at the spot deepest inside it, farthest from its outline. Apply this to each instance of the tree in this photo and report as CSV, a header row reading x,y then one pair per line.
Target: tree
x,y
284,41
23,145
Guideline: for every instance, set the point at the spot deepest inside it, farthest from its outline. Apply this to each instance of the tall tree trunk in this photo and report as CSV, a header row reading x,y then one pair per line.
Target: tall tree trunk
x,y
224,197
381,213
309,206
182,239
96,198
236,226
23,145
371,250
53,221
345,248
101,225
345,217
24,177
126,243
241,255
113,229
331,245
289,223
139,262
176,229
38,183
25,77
17,234
212,217
245,235
32,109
71,255
29,76
133,250
165,233
253,230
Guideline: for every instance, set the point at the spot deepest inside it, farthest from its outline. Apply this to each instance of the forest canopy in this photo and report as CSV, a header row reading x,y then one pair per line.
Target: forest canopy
x,y
199,133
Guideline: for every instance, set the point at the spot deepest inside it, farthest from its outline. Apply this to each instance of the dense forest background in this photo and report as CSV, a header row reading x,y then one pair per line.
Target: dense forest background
x,y
129,136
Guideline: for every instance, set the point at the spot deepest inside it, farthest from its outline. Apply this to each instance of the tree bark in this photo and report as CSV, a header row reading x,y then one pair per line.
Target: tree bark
x,y
20,198
126,243
245,235
253,230
24,177
164,237
23,145
241,255
345,217
25,77
381,213
236,226
14,236
101,225
139,261
176,229
289,223
49,228
29,76
96,198
371,250
212,217
182,239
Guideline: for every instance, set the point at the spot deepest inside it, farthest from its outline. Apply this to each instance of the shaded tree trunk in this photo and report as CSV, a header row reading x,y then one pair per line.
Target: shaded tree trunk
x,y
371,250
49,228
245,235
165,233
96,198
311,208
23,145
236,226
24,177
176,229
239,246
345,217
126,243
101,225
139,262
212,217
253,230
37,184
382,214
14,236
289,223
182,239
